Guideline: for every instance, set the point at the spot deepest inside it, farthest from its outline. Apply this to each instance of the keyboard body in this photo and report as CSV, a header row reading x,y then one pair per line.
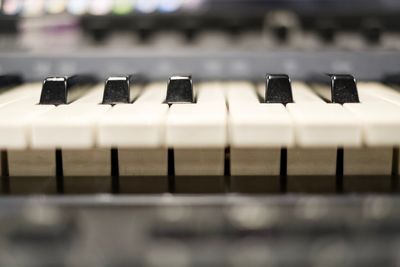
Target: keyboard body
x,y
227,180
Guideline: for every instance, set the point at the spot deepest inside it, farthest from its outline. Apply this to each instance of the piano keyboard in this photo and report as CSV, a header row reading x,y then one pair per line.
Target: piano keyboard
x,y
329,134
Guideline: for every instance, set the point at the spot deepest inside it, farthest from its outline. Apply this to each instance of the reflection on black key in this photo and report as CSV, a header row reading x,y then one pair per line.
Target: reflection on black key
x,y
180,90
118,90
278,89
9,80
336,88
64,90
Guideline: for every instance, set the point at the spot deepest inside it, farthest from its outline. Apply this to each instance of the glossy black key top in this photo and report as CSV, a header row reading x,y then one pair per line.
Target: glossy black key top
x,y
118,90
180,90
64,90
278,89
342,87
8,80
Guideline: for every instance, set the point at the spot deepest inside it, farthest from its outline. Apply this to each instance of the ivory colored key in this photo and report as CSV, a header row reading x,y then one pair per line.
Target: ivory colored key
x,y
373,92
14,137
15,124
153,93
23,94
94,95
197,133
72,129
137,125
256,132
324,125
138,131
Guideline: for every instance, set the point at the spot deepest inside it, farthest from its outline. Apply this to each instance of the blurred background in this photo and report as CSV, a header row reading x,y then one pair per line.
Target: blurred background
x,y
213,39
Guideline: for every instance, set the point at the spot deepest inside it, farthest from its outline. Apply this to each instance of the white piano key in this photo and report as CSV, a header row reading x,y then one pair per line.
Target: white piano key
x,y
133,125
93,96
143,161
199,162
211,92
372,92
380,128
255,161
196,126
302,93
260,125
72,128
380,123
152,93
67,127
256,131
324,125
15,120
240,93
25,94
31,162
197,133
138,131
311,161
367,161
86,162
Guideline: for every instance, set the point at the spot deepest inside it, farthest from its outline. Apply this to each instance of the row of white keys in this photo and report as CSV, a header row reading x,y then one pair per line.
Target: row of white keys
x,y
374,157
378,112
197,132
72,129
64,126
138,131
320,128
256,131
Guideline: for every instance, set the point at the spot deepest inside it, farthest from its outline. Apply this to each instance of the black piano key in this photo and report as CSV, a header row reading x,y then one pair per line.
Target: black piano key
x,y
118,90
8,80
64,90
343,87
278,89
180,90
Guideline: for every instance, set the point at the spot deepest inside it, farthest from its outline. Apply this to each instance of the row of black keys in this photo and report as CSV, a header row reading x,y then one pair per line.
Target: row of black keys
x,y
57,90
